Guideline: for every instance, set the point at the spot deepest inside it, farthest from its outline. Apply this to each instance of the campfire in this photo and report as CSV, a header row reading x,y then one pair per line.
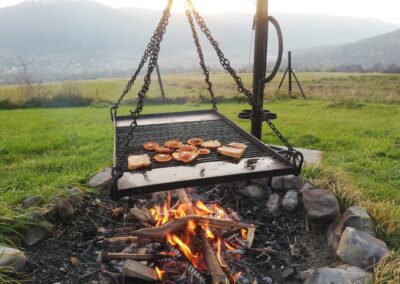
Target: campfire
x,y
185,241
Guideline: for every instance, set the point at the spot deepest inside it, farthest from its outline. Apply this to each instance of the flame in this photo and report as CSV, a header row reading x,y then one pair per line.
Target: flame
x,y
244,234
219,253
200,205
174,240
219,213
191,227
166,214
160,273
229,247
235,277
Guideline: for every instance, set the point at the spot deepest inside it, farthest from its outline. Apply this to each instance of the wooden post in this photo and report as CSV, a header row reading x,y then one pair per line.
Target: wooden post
x,y
290,71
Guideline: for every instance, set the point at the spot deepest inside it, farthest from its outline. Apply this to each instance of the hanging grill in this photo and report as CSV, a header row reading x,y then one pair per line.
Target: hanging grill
x,y
131,132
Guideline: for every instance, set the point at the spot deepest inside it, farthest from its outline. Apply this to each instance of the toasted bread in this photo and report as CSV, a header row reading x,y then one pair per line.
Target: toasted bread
x,y
231,152
173,143
195,141
138,161
162,158
211,144
187,148
238,145
150,146
203,151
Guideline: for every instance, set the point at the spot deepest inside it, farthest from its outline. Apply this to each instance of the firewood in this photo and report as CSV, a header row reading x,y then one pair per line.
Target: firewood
x,y
132,256
214,268
141,215
160,233
135,269
250,236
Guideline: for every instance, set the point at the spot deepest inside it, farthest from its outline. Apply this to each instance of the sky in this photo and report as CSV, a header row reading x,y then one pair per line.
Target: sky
x,y
385,10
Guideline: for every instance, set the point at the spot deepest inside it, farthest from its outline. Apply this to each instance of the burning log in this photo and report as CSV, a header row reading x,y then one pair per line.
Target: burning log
x,y
176,225
214,268
141,215
135,269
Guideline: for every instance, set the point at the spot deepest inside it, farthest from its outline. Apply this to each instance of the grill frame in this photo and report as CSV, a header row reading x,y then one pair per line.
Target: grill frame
x,y
225,169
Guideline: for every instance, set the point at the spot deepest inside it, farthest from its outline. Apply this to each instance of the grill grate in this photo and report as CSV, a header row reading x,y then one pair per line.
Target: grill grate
x,y
207,129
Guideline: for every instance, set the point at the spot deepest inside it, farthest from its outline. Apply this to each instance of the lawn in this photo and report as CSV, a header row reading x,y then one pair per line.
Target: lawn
x,y
47,150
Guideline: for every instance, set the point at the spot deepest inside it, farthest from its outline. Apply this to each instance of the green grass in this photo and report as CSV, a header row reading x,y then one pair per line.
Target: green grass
x,y
47,150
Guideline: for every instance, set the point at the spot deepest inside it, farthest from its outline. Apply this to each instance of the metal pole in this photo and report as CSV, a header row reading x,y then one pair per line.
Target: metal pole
x,y
260,65
160,82
290,70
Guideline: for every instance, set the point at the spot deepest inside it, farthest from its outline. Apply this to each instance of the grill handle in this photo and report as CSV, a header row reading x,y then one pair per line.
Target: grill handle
x,y
275,23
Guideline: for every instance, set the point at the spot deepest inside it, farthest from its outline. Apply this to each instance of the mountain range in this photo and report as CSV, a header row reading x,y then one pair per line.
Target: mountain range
x,y
84,37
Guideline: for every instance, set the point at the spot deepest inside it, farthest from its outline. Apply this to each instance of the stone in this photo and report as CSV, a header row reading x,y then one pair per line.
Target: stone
x,y
360,248
355,217
307,186
341,274
11,257
31,201
64,208
290,201
261,181
292,182
321,206
277,183
75,196
273,203
252,191
48,211
36,233
288,272
101,180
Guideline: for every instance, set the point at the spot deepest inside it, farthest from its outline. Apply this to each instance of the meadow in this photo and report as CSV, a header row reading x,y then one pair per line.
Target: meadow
x,y
353,118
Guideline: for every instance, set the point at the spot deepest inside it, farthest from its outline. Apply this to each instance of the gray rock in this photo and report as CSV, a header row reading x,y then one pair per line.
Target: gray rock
x,y
36,233
288,272
48,211
261,181
64,208
340,275
101,180
321,206
292,182
360,248
290,201
277,183
252,191
354,217
75,196
307,186
31,201
11,257
273,203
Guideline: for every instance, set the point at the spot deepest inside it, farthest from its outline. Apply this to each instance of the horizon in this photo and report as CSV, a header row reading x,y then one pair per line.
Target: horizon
x,y
341,8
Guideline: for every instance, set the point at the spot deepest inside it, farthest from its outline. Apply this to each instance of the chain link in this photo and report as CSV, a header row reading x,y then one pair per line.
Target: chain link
x,y
158,33
222,59
189,16
154,49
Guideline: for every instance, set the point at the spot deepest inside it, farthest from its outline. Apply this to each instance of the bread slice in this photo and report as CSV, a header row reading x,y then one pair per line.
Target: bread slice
x,y
238,145
138,161
230,152
211,144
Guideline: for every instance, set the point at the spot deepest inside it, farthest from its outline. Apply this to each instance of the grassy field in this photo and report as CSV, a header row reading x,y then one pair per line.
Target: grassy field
x,y
354,119
376,88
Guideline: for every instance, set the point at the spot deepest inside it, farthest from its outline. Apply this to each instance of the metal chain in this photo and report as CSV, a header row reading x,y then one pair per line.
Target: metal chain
x,y
150,47
189,16
117,171
222,59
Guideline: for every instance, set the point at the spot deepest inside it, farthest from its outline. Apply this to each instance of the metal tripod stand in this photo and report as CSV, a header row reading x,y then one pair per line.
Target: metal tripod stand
x,y
290,71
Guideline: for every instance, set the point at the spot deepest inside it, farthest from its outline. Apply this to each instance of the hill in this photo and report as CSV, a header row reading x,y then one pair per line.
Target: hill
x,y
87,39
374,52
